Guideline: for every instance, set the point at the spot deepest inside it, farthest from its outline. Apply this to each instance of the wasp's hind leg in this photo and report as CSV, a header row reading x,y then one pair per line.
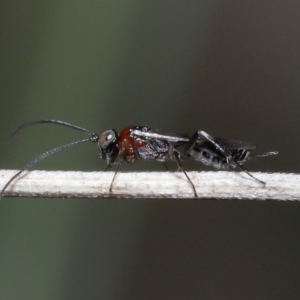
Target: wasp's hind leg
x,y
226,152
221,150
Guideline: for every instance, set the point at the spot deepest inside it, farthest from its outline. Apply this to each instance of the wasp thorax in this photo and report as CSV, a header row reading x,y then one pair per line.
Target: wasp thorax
x,y
107,138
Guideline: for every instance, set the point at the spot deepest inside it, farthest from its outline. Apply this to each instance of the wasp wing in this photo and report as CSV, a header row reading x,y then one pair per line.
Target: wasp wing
x,y
233,144
170,137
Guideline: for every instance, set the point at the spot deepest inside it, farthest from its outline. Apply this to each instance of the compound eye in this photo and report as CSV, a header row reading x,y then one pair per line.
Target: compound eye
x,y
107,138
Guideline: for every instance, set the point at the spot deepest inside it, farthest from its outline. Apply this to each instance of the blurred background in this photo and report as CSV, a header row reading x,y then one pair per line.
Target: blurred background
x,y
229,68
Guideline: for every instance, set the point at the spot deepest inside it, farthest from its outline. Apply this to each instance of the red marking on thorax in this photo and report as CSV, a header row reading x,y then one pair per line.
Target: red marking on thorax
x,y
128,145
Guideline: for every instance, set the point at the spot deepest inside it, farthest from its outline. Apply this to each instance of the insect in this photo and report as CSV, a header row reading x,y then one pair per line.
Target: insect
x,y
141,141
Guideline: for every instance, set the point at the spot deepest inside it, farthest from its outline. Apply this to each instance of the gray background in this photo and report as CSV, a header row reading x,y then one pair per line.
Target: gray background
x,y
228,67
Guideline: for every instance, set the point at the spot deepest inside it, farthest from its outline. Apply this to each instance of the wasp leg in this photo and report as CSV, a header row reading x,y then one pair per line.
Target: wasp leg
x,y
165,165
228,155
176,155
110,163
246,171
108,167
190,145
116,171
223,150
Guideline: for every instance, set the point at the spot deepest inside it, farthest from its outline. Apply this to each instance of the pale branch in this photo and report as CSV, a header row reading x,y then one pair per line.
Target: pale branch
x,y
209,185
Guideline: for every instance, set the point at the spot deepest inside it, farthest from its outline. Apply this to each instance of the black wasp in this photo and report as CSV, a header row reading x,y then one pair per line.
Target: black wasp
x,y
141,141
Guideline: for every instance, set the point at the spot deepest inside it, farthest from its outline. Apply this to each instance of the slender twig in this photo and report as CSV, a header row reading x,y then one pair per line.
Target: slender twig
x,y
209,185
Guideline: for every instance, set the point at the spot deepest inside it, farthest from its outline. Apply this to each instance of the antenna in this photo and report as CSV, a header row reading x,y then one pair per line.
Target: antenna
x,y
50,121
93,138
